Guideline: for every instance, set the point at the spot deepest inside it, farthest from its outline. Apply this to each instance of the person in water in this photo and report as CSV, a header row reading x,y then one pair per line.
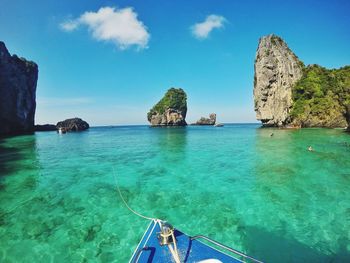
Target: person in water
x,y
310,149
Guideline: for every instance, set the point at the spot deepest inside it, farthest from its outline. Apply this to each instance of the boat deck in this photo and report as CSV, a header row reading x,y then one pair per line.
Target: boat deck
x,y
190,250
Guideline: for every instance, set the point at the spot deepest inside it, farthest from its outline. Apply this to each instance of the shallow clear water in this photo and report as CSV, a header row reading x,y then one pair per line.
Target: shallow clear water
x,y
267,196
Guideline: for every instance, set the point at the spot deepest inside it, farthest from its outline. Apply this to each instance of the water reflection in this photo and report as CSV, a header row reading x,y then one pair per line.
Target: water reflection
x,y
299,192
171,143
18,176
8,155
17,154
276,159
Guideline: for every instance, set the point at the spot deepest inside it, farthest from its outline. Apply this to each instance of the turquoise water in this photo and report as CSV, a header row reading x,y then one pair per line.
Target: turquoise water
x,y
267,196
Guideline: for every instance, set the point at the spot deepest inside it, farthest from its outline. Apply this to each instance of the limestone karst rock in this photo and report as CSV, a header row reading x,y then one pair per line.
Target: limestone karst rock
x,y
347,115
74,124
287,93
18,79
170,110
277,69
207,121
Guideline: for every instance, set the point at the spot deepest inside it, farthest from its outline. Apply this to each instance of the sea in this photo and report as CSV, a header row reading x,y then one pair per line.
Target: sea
x,y
258,190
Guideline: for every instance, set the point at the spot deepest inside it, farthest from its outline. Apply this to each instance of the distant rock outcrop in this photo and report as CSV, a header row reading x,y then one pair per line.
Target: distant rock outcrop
x,y
74,124
170,110
277,69
45,127
18,79
207,121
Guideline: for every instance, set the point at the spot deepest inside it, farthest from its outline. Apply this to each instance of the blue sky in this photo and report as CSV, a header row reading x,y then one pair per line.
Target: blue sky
x,y
108,73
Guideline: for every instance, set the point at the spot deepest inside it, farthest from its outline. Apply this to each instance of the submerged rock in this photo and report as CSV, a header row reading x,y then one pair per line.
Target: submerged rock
x,y
170,110
74,124
207,121
277,69
45,127
18,79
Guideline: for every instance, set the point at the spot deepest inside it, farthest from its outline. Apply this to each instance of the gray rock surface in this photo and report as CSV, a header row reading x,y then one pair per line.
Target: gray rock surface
x,y
347,116
277,69
171,117
18,79
207,121
74,124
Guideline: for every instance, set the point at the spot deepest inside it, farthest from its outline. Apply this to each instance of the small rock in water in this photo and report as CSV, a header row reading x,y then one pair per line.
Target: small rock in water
x,y
207,121
170,110
74,124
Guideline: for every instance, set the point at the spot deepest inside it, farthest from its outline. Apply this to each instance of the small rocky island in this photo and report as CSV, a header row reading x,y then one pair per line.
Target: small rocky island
x,y
289,94
207,121
170,110
18,79
74,124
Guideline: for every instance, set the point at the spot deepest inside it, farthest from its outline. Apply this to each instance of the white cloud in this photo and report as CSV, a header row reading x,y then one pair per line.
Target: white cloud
x,y
69,25
119,26
203,29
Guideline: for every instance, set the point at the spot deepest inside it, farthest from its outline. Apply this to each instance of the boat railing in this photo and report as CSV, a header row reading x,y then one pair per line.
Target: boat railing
x,y
234,251
138,254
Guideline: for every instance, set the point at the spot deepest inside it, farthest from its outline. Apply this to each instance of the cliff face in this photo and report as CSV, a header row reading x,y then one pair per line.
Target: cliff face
x,y
18,79
288,93
170,110
277,69
347,115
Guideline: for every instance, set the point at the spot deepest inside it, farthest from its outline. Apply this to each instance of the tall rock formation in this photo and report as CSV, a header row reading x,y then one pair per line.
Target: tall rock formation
x,y
170,110
18,79
277,69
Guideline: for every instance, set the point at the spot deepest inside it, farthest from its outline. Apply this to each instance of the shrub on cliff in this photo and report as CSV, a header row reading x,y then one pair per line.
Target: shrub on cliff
x,y
173,99
322,94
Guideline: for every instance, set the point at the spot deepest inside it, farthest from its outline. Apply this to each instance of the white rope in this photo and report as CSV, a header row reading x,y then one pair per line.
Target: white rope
x,y
126,204
174,254
173,250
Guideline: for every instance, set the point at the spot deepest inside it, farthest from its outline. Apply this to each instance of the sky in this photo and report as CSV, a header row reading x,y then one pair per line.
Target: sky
x,y
108,62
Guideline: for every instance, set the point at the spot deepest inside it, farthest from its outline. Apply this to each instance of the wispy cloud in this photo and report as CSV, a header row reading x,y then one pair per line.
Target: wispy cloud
x,y
54,102
69,25
203,29
119,26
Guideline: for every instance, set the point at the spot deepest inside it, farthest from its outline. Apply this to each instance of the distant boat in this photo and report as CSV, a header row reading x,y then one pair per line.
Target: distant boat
x,y
219,125
162,243
61,130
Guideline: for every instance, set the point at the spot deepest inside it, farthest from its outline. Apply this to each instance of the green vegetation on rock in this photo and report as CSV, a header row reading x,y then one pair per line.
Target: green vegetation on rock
x,y
322,97
173,99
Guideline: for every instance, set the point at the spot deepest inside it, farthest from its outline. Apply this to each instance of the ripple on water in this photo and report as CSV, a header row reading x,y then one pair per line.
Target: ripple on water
x,y
267,196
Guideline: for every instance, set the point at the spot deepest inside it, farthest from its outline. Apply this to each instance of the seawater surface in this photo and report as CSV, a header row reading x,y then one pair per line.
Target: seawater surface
x,y
265,195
